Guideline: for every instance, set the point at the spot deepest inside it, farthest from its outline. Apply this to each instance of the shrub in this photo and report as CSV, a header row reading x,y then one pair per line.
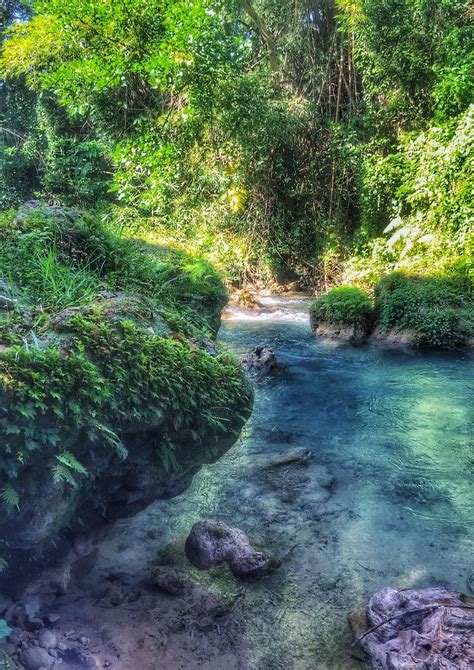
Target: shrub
x,y
343,306
436,309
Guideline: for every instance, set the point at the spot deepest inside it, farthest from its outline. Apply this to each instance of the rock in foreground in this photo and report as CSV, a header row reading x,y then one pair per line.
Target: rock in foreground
x,y
212,543
426,629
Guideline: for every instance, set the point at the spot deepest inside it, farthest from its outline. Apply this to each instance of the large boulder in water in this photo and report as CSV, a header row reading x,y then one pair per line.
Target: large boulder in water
x,y
418,630
212,543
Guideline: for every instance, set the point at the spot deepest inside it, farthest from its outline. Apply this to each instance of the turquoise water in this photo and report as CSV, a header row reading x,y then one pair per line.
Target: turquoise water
x,y
387,501
394,428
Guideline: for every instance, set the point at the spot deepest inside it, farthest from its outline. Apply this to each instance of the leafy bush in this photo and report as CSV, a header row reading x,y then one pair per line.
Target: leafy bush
x,y
421,194
120,374
343,306
438,310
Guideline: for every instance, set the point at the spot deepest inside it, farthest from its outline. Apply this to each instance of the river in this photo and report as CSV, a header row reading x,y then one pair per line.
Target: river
x,y
386,501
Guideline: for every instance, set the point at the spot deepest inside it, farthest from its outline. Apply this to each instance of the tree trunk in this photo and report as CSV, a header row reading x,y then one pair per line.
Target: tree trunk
x,y
265,34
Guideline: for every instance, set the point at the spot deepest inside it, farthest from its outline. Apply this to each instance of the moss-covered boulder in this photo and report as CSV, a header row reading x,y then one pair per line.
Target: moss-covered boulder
x,y
344,313
422,311
110,393
425,311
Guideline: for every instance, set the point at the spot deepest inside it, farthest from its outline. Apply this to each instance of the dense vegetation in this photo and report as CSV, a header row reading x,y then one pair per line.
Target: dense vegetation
x,y
343,306
328,139
428,311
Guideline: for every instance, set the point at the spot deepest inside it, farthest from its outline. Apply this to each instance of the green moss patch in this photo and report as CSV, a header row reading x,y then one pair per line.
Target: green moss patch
x,y
107,373
53,258
343,306
111,377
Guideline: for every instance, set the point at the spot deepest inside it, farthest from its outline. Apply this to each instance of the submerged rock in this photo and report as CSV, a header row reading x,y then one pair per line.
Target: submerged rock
x,y
288,457
47,639
426,628
246,298
261,363
212,543
35,658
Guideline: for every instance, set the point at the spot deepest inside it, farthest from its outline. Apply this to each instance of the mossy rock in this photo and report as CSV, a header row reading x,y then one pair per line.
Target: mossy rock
x,y
53,258
344,313
112,402
426,311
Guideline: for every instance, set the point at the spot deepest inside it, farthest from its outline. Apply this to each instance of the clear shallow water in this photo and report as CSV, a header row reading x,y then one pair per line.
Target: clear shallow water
x,y
393,429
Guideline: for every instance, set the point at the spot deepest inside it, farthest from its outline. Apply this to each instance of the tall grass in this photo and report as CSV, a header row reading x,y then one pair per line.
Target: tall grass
x,y
60,286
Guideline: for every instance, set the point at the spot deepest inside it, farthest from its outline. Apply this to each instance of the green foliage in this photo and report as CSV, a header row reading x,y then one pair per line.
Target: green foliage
x,y
53,262
407,52
74,377
275,139
9,497
343,306
438,310
421,195
120,373
65,467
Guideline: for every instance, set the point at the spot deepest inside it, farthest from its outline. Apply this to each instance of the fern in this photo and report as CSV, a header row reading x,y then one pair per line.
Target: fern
x,y
9,497
61,473
66,466
71,461
112,439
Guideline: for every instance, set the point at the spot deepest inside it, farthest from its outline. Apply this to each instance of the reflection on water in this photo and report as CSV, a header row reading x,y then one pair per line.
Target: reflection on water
x,y
393,428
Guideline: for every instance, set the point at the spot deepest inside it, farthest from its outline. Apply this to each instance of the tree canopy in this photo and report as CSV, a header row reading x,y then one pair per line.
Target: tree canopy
x,y
274,137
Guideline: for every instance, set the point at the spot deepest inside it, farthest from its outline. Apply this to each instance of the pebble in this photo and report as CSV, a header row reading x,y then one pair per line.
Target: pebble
x,y
83,640
52,618
13,639
47,639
